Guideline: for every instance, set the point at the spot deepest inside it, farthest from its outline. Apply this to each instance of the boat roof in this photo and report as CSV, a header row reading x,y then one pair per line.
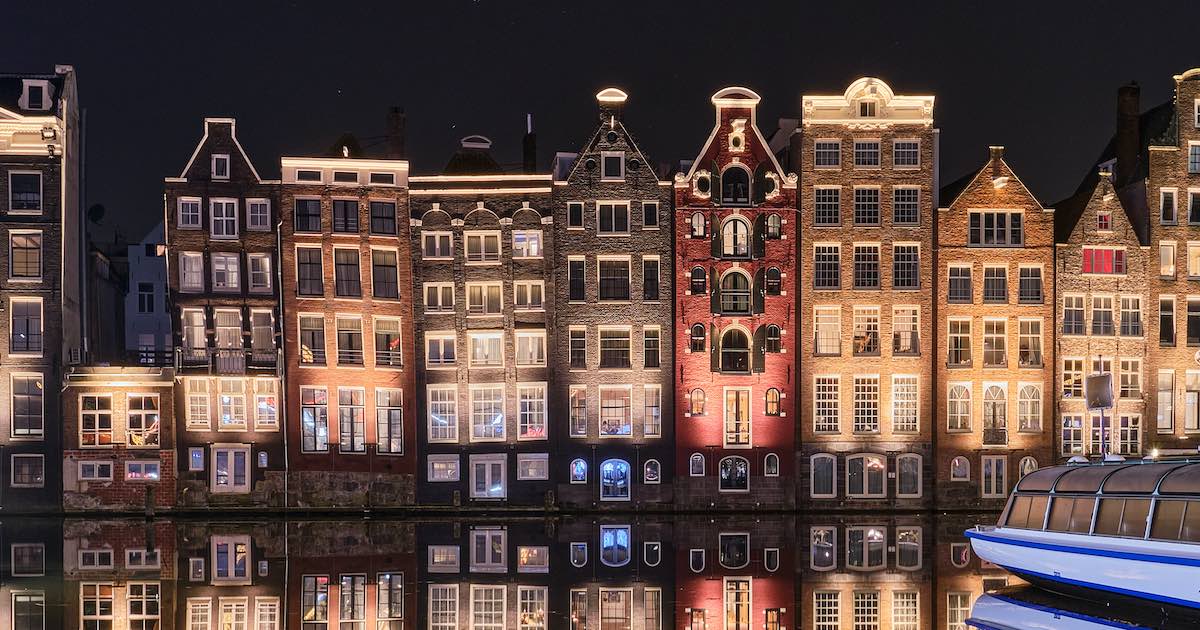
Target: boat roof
x,y
1167,478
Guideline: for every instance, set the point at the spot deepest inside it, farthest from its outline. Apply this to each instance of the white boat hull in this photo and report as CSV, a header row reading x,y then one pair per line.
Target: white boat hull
x,y
991,612
1163,572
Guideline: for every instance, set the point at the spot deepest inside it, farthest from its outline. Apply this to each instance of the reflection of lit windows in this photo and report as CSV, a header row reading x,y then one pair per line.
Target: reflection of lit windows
x,y
824,479
443,559
533,559
696,465
960,554
652,472
487,550
960,469
652,553
578,471
488,476
908,548
614,545
735,550
579,554
231,557
771,559
614,480
865,547
823,549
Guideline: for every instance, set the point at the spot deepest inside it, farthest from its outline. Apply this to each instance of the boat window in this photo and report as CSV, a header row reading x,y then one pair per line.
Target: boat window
x,y
1086,479
1176,520
1141,479
1182,480
1122,517
1041,480
1027,512
1070,514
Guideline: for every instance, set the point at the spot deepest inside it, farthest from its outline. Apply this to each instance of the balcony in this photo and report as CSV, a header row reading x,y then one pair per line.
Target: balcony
x,y
263,357
389,358
194,357
997,436
349,357
229,361
223,360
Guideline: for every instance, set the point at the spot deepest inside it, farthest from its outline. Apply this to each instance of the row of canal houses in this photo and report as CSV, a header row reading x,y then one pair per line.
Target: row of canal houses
x,y
811,319
903,572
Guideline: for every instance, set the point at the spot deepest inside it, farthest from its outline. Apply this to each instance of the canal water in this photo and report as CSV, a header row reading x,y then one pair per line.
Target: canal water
x,y
844,571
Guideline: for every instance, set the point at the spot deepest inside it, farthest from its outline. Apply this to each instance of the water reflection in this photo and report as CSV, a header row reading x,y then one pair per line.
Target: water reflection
x,y
603,572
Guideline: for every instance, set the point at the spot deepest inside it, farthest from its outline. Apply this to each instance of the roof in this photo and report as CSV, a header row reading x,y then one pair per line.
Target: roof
x,y
951,191
12,87
473,157
1133,201
1132,477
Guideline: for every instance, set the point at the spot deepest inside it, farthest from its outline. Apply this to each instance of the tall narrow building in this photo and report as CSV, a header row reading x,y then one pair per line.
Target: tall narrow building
x,y
613,290
869,175
40,279
995,367
484,325
222,241
347,299
735,317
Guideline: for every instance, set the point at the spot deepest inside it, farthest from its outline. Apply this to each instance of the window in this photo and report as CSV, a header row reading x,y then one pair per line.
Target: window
x,y
614,545
615,348
487,413
312,340
650,279
865,475
773,341
826,403
906,267
1107,260
827,206
439,297
191,272
577,348
995,342
308,215
771,402
1131,378
696,465
866,153
906,153
440,350
260,272
865,550
823,549
223,219
351,420
533,466
908,477
651,348
483,247
24,192
28,610
314,420
994,476
613,217
527,244
531,606
345,215
349,341
1166,321
1029,408
614,279
443,607
735,351
578,471
574,215
1072,378
1073,315
735,293
774,281
484,298
443,414
959,346
96,606
996,229
388,349
698,227
737,418
905,331
866,266
615,480
696,402
143,600
95,420
142,423
616,413
230,558
827,610
958,409
352,602
1103,221
488,481
960,469
827,267
958,608
652,554
25,260
734,550
310,277
531,348
1030,285
995,285
827,153
1131,316
960,291
443,468
866,404
383,217
866,206
225,273
1193,322
866,330
385,281
347,279
437,245
531,419
735,186
95,471
905,403
1193,158
774,226
734,474
1166,401
612,165
94,558
230,470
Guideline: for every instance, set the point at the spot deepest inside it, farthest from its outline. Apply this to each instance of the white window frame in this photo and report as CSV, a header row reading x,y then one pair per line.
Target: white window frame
x,y
490,536
251,204
218,158
603,158
488,459
812,478
985,491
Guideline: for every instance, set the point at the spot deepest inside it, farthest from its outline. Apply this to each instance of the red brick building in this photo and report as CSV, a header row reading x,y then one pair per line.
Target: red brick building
x,y
347,298
735,327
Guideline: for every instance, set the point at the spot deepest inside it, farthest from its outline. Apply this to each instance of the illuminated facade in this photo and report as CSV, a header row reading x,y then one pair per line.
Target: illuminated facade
x,y
735,309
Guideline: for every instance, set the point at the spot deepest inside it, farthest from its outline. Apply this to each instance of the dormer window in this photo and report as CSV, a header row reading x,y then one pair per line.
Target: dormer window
x,y
35,97
735,186
1104,221
220,166
866,109
612,165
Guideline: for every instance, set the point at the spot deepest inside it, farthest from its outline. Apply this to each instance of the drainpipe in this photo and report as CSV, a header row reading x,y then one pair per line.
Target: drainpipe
x,y
281,353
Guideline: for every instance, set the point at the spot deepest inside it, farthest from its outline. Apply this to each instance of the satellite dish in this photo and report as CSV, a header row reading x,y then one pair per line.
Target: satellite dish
x,y
96,212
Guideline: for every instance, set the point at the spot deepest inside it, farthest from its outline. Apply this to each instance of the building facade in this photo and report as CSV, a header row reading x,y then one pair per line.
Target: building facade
x,y
40,278
222,262
735,317
613,292
995,368
483,328
118,574
347,300
148,331
869,173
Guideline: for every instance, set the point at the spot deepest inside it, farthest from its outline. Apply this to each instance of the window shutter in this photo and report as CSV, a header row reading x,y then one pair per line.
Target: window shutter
x,y
759,349
760,236
717,235
759,290
715,184
714,344
760,183
714,290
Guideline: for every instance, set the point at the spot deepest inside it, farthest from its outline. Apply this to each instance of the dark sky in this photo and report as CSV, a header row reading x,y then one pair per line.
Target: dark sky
x,y
1039,77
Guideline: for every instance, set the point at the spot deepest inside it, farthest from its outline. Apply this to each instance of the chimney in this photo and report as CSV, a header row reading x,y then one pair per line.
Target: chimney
x,y
529,147
611,101
795,151
997,155
1128,133
396,122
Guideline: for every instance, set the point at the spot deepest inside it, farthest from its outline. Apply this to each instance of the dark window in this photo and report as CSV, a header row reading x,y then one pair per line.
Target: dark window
x,y
650,339
36,97
827,206
735,293
26,333
1030,285
1166,322
25,192
1193,323
735,186
308,271
578,349
575,214
995,285
345,215
614,218
735,351
614,280
774,226
312,339
866,266
614,349
383,217
960,285
735,473
697,338
774,281
650,279
382,178
906,267
347,281
866,206
996,229
308,215
774,342
145,297
906,207
384,280
575,273
699,283
649,214
827,263
345,177
612,165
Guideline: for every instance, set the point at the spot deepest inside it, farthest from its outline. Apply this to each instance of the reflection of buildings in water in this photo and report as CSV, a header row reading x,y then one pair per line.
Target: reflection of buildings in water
x,y
230,575
118,573
961,576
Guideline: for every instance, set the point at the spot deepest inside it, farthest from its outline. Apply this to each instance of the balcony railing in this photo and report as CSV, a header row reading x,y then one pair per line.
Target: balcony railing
x,y
866,343
229,361
221,360
906,343
389,358
263,357
349,357
995,436
151,357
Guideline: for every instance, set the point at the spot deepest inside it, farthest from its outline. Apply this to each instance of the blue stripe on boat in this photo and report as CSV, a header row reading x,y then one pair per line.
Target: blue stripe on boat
x,y
1102,587
1088,551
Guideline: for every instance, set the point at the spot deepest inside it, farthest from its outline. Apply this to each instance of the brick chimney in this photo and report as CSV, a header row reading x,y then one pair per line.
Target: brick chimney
x,y
529,147
1128,133
996,153
396,123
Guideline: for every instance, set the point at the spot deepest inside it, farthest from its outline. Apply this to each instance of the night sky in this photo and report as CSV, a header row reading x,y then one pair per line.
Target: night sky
x,y
1038,77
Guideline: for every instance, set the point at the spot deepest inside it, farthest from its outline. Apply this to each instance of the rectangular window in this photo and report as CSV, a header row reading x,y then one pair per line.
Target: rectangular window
x,y
28,471
827,206
488,481
95,471
527,244
28,610
1131,316
1102,315
309,276
866,331
25,256
531,348
260,272
905,331
1072,378
827,153
443,607
866,404
906,205
574,215
827,267
995,479
231,470
959,343
866,610
483,247
443,415
351,420
352,602
225,273
960,291
905,404
652,416
996,229
906,153
97,603
1131,378
487,349
995,285
389,349
866,206
314,419
906,267
385,279
223,218
1166,260
866,266
345,215
439,297
616,411
615,349
312,340
314,602
531,408
576,279
1110,261
650,279
95,420
1166,206
484,298
308,215
25,332
651,352
958,608
28,411
487,413
1166,401
142,426
1166,321
383,217
347,279
1030,343
613,217
577,348
737,604
24,192
189,212
649,214
612,165
614,279
827,321
827,613
232,396
1129,440
737,417
1193,158
579,410
533,467
349,341
141,470
436,245
197,403
443,468
826,403
1073,315
440,350
191,272
866,153
1030,285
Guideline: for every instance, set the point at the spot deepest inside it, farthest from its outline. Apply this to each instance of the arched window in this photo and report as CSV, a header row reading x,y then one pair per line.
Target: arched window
x,y
697,341
696,402
960,554
699,283
735,351
614,480
774,226
1026,466
651,553
772,402
771,559
864,476
579,554
823,480
1029,408
735,474
908,548
696,465
735,293
865,548
771,465
734,550
774,281
697,225
696,560
774,341
735,186
614,545
823,550
652,472
958,409
995,408
960,469
578,471
735,238
908,475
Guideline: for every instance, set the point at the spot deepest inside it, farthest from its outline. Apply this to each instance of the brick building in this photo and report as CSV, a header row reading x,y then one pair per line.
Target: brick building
x,y
735,321
347,300
222,262
995,365
483,326
870,178
118,439
613,290
119,574
1173,348
40,278
231,574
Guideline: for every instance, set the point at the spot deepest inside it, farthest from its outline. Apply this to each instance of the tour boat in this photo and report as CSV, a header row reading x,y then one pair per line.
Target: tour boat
x,y
1129,529
1029,608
